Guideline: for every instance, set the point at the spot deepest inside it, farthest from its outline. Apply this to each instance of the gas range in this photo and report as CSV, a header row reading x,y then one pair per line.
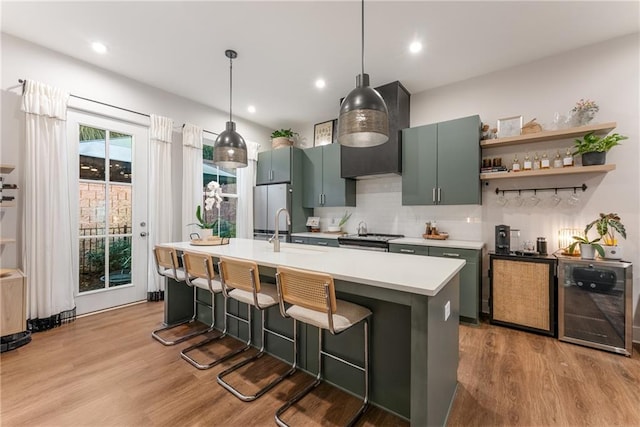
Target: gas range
x,y
369,241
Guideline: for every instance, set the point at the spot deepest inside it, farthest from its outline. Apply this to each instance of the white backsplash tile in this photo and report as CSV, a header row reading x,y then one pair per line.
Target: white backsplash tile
x,y
379,204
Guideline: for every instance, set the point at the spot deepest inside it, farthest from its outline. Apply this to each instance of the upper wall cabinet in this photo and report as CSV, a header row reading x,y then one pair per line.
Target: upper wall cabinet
x,y
385,158
274,166
441,162
323,186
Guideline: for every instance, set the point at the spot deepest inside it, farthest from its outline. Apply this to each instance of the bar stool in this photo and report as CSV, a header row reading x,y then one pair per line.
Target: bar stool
x,y
312,300
241,282
200,274
167,266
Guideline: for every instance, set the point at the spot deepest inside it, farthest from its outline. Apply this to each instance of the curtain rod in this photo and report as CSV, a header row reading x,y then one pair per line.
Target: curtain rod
x,y
24,81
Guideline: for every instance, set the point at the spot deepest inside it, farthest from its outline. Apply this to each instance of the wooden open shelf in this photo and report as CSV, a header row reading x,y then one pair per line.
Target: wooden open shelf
x,y
4,241
5,168
601,129
548,172
11,204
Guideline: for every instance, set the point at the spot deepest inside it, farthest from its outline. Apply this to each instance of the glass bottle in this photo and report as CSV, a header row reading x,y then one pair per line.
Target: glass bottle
x,y
557,162
527,165
568,159
544,162
536,161
516,164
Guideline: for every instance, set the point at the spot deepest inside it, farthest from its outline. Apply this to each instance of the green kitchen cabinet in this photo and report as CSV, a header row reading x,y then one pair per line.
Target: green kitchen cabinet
x,y
274,166
323,186
470,275
441,163
318,241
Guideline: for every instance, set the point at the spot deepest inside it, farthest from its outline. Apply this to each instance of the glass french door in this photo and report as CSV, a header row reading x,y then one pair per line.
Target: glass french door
x,y
110,164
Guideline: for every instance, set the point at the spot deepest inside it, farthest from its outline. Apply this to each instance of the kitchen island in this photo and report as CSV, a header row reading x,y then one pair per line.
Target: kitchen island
x,y
414,328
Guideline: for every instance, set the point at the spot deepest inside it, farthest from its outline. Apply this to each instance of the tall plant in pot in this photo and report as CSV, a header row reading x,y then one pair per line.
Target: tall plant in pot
x,y
593,148
606,226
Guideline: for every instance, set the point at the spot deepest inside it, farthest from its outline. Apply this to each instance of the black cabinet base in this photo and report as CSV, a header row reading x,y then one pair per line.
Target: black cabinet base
x,y
11,342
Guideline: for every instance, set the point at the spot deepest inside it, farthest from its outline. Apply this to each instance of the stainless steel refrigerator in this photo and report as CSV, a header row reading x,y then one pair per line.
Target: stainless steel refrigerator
x,y
267,199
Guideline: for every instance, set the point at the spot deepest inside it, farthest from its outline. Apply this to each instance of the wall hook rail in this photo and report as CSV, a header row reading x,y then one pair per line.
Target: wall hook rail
x,y
582,187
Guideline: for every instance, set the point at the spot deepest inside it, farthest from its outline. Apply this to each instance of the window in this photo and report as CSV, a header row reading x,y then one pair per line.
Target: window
x,y
226,215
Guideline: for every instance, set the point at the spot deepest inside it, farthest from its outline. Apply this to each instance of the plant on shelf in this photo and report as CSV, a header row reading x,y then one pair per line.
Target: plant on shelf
x,y
284,133
593,148
588,247
606,225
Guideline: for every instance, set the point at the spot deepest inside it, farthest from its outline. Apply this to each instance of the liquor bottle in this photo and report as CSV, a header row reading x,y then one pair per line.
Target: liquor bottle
x,y
527,165
557,162
568,159
536,161
516,164
544,163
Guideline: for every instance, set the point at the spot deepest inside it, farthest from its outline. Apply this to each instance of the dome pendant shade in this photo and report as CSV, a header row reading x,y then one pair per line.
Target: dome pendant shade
x,y
230,150
364,119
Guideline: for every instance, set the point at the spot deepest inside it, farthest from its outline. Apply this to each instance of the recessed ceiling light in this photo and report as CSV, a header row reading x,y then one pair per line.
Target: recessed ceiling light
x,y
320,83
415,47
251,109
98,47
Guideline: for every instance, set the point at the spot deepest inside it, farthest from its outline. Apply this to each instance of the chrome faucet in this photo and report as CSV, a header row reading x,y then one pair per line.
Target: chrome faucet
x,y
362,228
275,239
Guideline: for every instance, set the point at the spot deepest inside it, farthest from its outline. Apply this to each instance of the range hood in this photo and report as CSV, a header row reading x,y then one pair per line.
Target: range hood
x,y
384,159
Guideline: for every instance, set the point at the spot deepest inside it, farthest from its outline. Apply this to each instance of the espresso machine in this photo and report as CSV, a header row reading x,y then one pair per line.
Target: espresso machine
x,y
503,240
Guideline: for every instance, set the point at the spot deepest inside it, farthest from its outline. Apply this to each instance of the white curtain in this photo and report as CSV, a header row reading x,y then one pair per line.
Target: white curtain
x,y
47,255
246,181
160,195
191,177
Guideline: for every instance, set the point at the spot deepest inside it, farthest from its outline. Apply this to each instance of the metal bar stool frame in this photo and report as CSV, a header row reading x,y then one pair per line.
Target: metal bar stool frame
x,y
202,268
167,258
254,286
295,297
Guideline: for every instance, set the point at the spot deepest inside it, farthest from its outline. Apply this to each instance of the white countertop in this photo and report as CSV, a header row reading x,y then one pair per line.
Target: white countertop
x,y
421,275
318,234
460,244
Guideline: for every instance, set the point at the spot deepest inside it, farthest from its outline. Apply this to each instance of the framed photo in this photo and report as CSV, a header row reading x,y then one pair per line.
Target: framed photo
x,y
323,133
509,126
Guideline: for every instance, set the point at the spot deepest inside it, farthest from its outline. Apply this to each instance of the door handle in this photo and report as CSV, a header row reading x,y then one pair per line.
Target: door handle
x,y
144,234
408,251
439,194
322,243
433,194
450,254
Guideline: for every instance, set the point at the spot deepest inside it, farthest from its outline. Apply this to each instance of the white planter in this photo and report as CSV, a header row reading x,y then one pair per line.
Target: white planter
x,y
587,251
333,228
612,252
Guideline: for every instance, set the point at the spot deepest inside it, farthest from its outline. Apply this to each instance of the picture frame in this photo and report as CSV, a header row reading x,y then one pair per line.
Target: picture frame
x,y
323,133
509,126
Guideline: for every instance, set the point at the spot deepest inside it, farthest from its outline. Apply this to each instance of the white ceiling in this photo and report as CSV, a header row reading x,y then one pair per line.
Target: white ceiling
x,y
284,46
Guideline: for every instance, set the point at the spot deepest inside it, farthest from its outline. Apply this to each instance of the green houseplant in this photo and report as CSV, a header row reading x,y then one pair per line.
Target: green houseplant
x,y
606,225
283,138
588,247
593,148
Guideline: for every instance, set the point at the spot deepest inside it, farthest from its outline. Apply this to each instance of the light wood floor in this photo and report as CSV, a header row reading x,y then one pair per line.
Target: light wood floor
x,y
106,370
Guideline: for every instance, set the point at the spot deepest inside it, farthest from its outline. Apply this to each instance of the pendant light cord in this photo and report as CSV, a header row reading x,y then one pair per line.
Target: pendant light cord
x,y
363,37
230,88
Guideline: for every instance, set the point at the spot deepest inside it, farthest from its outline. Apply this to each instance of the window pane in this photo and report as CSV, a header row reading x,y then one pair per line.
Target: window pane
x,y
92,209
120,209
92,267
120,157
119,261
92,153
226,214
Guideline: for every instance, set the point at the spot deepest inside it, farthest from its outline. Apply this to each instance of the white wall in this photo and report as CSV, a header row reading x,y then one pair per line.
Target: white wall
x,y
607,73
24,60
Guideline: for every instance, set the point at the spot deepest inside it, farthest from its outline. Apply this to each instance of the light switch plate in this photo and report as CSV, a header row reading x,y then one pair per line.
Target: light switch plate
x,y
447,310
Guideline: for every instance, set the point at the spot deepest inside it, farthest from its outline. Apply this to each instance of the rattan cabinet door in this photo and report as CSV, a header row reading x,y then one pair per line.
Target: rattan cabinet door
x,y
520,293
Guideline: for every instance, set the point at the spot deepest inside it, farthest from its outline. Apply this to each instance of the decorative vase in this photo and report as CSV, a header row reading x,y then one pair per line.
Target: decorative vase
x,y
281,142
587,251
582,117
612,252
594,158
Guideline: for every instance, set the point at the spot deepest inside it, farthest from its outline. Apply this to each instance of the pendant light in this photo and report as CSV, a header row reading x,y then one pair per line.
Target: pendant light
x,y
230,150
364,119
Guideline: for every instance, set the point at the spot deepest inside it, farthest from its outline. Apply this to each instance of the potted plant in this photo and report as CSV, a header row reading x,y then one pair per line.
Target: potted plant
x,y
588,247
593,148
343,221
606,226
283,138
213,198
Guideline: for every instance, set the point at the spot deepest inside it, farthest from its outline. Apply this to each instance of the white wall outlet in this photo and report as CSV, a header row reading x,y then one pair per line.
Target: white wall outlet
x,y
447,310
